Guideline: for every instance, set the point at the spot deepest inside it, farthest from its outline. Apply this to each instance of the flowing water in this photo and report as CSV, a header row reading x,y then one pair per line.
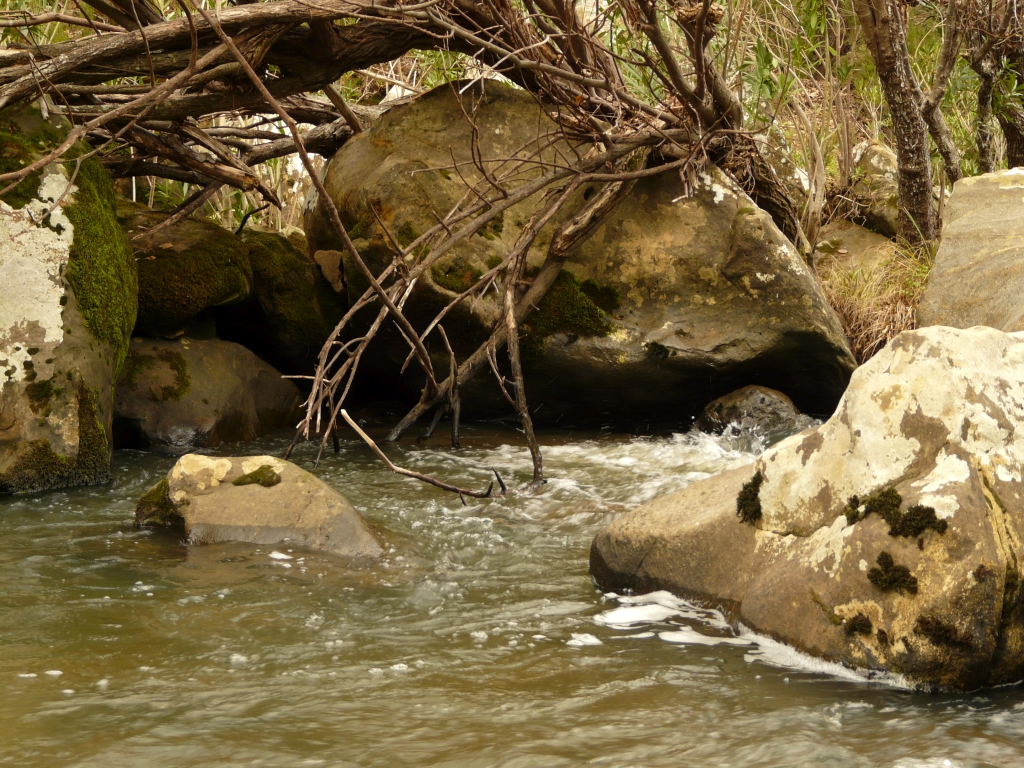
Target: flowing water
x,y
481,641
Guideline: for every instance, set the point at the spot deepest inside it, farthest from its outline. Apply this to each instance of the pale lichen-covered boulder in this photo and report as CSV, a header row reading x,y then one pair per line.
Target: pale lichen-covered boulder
x,y
888,538
876,187
67,307
258,500
189,393
978,275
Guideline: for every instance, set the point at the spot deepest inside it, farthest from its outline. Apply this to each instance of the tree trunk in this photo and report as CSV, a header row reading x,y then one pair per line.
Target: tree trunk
x,y
1011,120
886,37
986,89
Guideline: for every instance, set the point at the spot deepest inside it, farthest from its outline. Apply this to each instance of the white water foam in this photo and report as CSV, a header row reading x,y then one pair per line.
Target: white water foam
x,y
659,607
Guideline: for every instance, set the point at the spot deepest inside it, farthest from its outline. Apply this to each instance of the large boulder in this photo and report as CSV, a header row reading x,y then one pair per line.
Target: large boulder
x,y
888,538
186,394
978,275
258,500
679,298
876,187
67,306
185,271
198,279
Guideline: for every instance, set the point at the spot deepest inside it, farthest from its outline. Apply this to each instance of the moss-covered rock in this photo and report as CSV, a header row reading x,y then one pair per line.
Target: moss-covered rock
x,y
189,393
68,306
291,311
193,266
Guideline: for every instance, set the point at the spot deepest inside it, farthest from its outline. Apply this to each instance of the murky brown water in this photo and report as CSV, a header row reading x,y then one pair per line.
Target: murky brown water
x,y
481,642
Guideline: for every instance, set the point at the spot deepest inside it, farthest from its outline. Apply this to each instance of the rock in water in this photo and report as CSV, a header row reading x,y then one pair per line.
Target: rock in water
x,y
258,500
67,306
180,395
889,537
978,275
753,409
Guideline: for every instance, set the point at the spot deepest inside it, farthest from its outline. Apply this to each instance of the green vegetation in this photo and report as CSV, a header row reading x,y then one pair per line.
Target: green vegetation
x,y
886,504
943,633
748,502
889,577
101,267
156,508
456,275
858,625
265,475
38,467
564,309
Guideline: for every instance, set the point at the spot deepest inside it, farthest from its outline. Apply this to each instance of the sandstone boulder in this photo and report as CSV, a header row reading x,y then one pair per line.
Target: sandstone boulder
x,y
876,187
678,299
185,394
67,306
258,500
887,538
753,410
852,246
978,275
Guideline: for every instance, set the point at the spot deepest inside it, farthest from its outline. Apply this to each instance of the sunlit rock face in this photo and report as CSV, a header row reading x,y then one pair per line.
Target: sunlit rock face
x,y
889,537
68,287
685,292
260,500
978,275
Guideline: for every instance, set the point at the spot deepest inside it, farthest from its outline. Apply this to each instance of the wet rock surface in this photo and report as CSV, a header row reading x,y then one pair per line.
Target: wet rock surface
x,y
185,394
753,410
887,538
978,275
257,500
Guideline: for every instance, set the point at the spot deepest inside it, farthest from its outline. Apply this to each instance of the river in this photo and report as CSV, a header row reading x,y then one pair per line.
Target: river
x,y
480,641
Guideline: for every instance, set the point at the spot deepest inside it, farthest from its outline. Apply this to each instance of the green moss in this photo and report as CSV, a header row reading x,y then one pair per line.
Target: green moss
x,y
457,275
606,297
886,504
406,234
38,467
101,268
890,577
942,633
565,308
265,475
493,229
655,351
137,363
174,286
858,625
748,502
493,261
156,508
16,151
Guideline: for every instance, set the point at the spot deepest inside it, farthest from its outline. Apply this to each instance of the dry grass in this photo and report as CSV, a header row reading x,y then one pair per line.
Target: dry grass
x,y
878,302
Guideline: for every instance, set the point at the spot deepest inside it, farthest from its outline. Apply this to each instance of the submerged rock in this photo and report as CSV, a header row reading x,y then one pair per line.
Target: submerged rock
x,y
257,500
978,275
887,538
185,394
756,410
67,307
